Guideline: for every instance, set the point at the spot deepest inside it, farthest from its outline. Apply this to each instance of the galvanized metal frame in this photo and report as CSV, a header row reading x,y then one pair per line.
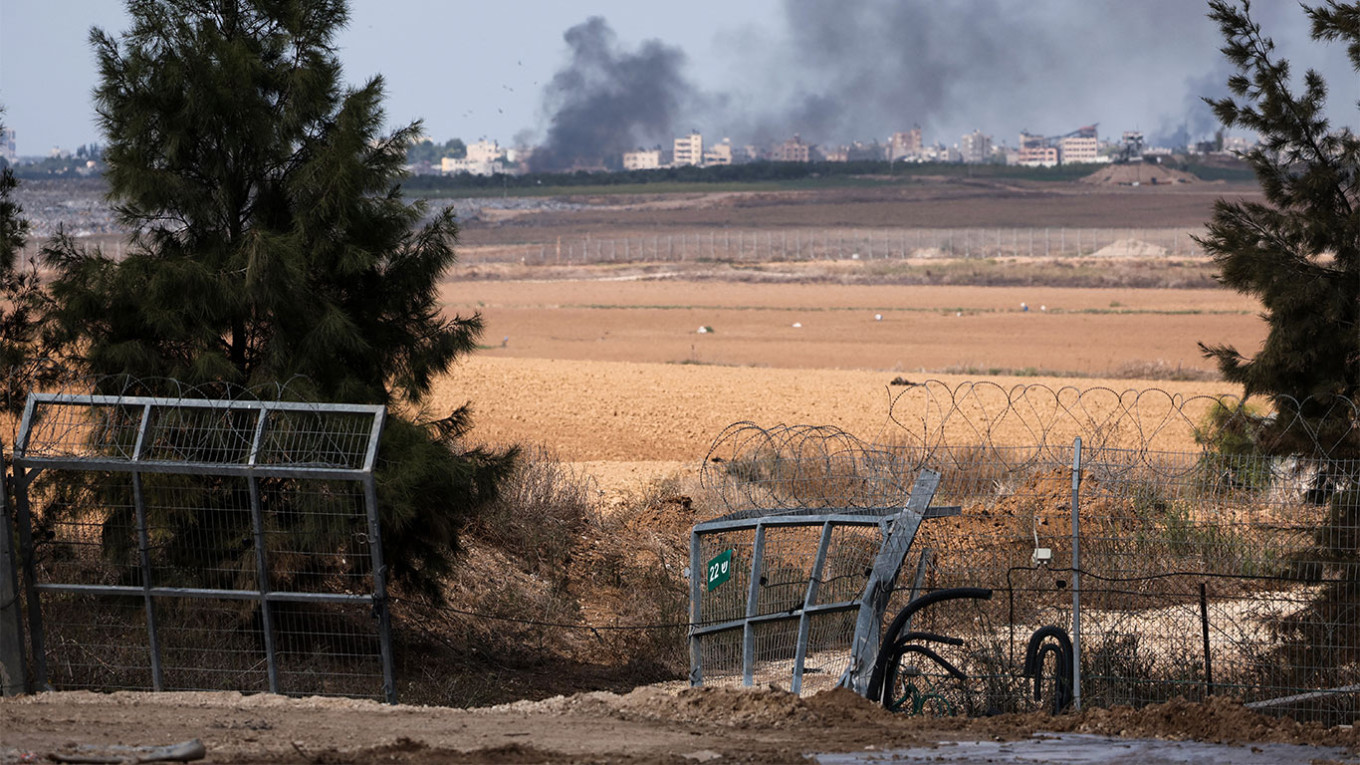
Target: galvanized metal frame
x,y
899,526
13,671
28,464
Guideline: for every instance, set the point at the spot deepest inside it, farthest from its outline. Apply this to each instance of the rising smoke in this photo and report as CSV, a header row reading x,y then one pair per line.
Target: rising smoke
x,y
835,72
608,100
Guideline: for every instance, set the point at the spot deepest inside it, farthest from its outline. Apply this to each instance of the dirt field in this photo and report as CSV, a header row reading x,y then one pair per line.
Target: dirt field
x,y
926,202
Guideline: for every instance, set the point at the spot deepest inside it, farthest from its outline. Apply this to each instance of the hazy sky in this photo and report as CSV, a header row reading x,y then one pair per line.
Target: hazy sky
x,y
832,70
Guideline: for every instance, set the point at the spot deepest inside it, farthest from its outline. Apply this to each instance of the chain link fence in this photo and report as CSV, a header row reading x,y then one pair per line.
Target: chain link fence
x,y
202,544
868,244
1191,546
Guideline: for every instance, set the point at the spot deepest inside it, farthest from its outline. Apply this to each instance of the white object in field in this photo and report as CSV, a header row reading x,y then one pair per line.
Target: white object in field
x,y
1023,307
703,330
878,317
798,325
1042,555
1043,308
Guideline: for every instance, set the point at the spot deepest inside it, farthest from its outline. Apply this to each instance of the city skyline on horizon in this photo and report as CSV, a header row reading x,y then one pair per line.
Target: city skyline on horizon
x,y
507,93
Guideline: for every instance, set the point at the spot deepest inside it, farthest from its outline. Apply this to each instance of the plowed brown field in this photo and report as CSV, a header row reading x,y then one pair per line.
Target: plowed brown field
x,y
617,371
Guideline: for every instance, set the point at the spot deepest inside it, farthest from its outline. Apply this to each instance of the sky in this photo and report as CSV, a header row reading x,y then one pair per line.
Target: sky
x,y
582,76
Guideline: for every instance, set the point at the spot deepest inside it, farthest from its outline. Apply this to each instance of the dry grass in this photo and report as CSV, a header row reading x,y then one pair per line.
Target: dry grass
x,y
555,582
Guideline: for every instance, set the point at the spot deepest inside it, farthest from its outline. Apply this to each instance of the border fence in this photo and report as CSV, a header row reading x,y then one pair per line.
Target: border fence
x,y
201,544
1192,546
867,244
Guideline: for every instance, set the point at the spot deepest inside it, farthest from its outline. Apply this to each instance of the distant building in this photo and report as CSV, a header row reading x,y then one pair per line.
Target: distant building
x,y
642,160
689,150
905,145
975,148
720,154
1037,156
484,151
1078,149
483,158
1036,151
7,146
792,150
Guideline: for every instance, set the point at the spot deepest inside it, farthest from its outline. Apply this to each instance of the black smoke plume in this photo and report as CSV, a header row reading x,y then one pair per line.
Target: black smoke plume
x,y
607,100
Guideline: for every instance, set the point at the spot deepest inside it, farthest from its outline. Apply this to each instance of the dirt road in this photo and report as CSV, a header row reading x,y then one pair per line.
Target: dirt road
x,y
651,725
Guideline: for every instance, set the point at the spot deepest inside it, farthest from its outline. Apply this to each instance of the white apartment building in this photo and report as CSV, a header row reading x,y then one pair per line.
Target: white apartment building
x,y
642,160
484,151
975,148
905,144
689,150
483,158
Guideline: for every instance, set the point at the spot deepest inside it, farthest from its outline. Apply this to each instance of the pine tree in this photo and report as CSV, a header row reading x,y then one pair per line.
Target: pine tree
x,y
1299,251
271,243
22,359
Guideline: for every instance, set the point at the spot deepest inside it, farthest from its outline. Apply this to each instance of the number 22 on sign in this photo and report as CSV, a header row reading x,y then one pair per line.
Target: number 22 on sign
x,y
719,569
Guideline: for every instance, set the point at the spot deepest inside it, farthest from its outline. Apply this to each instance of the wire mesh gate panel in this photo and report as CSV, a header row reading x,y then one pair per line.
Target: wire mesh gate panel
x,y
1218,548
187,544
797,592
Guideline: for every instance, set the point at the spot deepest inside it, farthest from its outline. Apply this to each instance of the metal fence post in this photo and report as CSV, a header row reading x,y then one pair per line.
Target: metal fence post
x,y
261,559
748,638
696,654
26,556
144,555
1076,574
809,600
271,656
380,590
13,673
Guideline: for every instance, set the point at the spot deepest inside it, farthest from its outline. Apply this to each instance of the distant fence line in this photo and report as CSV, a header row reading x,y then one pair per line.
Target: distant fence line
x,y
793,244
833,243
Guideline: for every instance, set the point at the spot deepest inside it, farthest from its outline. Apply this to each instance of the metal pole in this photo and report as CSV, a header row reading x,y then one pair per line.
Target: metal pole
x,y
748,638
696,654
262,574
144,555
380,589
809,600
22,478
1204,631
13,667
1076,574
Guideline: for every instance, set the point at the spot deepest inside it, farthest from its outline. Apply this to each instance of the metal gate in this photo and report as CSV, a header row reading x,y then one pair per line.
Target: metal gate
x,y
187,544
768,598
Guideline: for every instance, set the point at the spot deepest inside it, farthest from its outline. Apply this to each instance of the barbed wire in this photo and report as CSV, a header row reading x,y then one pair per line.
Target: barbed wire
x,y
930,415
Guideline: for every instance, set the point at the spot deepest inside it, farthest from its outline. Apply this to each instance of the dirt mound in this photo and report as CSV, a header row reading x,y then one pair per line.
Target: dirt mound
x,y
1130,248
1138,174
756,706
1041,505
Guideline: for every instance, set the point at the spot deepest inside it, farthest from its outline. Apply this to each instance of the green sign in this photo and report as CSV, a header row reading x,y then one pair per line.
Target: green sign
x,y
719,569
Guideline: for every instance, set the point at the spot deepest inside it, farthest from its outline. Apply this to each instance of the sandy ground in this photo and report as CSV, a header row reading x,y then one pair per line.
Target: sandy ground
x,y
649,725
